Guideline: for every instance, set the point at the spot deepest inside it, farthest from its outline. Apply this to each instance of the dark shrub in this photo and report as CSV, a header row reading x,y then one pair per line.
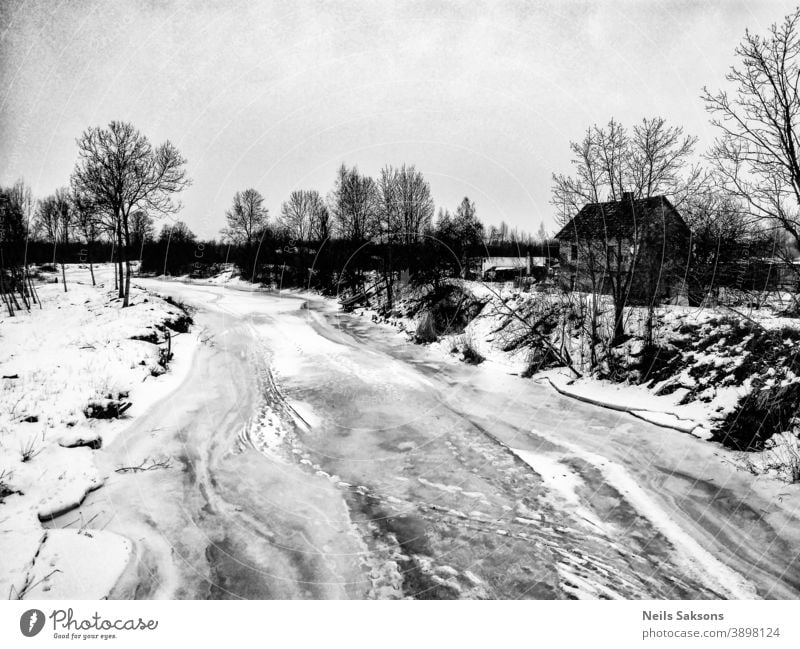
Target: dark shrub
x,y
758,417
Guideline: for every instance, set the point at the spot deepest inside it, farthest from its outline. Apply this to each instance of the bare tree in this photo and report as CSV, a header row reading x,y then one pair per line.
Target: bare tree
x,y
142,230
55,221
354,204
502,232
659,161
246,218
65,215
47,221
297,213
389,210
319,227
406,205
121,172
611,164
88,225
756,154
608,162
22,195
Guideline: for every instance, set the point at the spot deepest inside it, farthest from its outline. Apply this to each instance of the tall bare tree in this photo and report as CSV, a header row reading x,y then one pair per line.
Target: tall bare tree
x,y
611,164
297,213
55,221
121,172
47,221
354,204
608,161
406,205
319,227
22,195
756,156
142,231
246,218
66,221
88,225
389,209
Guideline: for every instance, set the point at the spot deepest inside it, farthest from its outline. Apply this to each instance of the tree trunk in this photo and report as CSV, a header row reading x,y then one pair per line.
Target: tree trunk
x,y
6,299
121,288
126,301
388,276
89,259
32,288
126,233
65,243
619,326
113,262
595,329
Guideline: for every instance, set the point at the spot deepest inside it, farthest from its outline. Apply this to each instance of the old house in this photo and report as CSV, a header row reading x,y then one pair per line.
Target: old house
x,y
636,248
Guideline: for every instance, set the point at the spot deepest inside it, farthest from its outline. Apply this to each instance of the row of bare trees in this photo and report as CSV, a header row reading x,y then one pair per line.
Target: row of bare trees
x,y
392,216
119,184
67,216
397,207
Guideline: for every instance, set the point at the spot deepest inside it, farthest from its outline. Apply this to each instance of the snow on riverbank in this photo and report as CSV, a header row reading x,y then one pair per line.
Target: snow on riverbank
x,y
68,370
712,372
637,400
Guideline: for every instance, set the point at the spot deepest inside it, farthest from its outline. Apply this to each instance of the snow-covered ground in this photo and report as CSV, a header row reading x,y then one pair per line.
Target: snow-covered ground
x,y
707,354
314,454
78,356
433,499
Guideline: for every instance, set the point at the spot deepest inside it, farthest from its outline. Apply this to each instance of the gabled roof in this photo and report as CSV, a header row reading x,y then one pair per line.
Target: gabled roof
x,y
617,219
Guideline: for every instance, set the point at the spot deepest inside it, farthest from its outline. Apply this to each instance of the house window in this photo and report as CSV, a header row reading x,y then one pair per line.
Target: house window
x,y
573,252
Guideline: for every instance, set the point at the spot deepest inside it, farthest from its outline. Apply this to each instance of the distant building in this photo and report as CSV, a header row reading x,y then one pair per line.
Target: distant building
x,y
505,268
639,247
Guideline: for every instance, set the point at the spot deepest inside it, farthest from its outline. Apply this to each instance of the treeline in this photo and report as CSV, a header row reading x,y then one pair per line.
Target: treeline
x,y
364,230
121,197
365,227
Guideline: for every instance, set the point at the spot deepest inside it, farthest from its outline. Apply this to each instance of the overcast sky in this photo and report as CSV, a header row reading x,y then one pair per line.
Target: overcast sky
x,y
482,97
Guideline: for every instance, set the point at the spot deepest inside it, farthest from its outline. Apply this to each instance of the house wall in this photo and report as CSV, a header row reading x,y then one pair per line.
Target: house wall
x,y
660,263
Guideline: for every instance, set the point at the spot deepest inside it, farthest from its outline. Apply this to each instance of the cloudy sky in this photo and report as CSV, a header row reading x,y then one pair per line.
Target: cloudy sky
x,y
482,97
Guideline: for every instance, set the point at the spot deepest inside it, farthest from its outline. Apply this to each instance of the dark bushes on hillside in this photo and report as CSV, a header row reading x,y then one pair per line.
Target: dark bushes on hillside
x,y
767,411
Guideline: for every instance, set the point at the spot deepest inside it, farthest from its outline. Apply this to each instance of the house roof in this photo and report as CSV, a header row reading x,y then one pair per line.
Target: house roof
x,y
614,219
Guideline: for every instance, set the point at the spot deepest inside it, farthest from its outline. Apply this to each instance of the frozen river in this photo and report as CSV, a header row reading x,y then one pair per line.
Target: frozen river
x,y
317,455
